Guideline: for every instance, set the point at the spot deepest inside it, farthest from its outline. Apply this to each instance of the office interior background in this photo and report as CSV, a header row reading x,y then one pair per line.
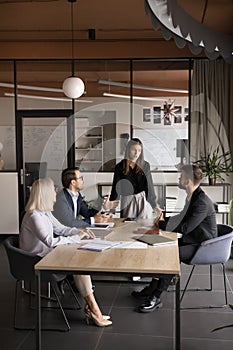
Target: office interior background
x,y
140,81
137,84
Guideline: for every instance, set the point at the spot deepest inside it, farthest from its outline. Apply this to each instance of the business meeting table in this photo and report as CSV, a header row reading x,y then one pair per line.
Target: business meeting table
x,y
151,261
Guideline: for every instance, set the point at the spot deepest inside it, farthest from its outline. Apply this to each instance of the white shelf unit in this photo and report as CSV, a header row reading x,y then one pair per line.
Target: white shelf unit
x,y
170,192
89,148
221,192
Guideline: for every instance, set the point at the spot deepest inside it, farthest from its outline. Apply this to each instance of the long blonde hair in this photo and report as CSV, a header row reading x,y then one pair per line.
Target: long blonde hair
x,y
42,195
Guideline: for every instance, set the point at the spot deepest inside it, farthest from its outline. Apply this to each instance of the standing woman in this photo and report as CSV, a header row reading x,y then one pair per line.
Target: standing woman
x,y
37,236
133,185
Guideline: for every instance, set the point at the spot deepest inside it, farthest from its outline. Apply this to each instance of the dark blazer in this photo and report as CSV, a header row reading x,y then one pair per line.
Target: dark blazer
x,y
197,220
133,183
64,210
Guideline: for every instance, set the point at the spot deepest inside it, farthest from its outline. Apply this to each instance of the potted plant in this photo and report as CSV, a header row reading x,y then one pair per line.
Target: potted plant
x,y
214,164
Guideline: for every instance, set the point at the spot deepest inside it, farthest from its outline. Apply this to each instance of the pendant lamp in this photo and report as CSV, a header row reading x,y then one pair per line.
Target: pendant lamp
x,y
73,87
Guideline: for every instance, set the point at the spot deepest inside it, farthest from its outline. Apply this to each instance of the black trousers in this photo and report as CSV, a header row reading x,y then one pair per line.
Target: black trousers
x,y
186,252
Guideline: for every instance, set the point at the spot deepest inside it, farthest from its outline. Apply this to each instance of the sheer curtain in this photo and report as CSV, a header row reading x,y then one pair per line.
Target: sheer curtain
x,y
211,107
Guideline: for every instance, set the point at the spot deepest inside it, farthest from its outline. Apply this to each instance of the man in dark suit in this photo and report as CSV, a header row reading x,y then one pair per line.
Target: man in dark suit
x,y
196,222
70,208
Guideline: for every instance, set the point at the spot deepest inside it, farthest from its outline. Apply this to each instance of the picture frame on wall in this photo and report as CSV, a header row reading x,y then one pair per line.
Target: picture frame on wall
x,y
186,114
178,115
157,115
146,116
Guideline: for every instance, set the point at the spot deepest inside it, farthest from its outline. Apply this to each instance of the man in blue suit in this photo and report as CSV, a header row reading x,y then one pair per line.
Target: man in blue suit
x,y
70,208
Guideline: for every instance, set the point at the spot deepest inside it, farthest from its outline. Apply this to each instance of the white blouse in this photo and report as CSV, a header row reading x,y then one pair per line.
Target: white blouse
x,y
37,233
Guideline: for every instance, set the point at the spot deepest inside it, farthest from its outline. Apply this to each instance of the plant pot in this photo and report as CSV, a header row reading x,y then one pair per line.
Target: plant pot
x,y
212,181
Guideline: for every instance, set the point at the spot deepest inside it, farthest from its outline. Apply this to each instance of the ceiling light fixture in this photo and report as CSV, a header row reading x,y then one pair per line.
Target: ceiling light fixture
x,y
73,87
176,23
106,94
142,87
37,97
29,87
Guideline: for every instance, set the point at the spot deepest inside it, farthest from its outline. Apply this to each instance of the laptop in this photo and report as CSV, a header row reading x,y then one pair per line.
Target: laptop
x,y
100,233
155,239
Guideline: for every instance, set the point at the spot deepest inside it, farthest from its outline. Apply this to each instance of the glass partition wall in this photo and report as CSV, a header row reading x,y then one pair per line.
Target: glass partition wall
x,y
148,99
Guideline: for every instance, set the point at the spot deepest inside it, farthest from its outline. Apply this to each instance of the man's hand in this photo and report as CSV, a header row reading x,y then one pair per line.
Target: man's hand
x,y
108,205
100,218
157,212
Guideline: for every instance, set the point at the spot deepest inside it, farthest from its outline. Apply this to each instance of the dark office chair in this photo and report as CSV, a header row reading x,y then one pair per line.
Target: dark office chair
x,y
213,251
22,269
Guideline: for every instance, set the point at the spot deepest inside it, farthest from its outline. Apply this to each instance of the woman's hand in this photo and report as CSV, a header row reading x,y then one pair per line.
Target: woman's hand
x,y
86,233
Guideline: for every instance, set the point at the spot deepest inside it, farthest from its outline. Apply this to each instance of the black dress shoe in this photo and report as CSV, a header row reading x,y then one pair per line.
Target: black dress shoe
x,y
143,294
151,304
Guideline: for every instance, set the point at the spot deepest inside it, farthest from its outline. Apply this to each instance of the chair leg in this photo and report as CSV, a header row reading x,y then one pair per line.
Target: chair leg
x,y
190,275
61,308
73,293
211,287
33,326
29,291
211,280
224,280
15,309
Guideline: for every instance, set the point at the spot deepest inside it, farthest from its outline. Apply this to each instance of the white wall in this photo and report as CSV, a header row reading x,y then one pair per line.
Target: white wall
x,y
9,222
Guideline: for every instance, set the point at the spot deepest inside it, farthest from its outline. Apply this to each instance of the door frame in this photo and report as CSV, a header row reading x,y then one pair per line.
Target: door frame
x,y
40,113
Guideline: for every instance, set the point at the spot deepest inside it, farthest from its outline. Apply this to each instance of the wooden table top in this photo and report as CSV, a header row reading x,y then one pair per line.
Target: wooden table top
x,y
151,260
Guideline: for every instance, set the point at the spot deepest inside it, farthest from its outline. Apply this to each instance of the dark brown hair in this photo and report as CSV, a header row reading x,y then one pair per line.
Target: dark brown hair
x,y
68,175
193,172
140,161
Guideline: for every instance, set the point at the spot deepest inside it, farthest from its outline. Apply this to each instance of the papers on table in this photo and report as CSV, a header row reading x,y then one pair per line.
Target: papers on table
x,y
99,245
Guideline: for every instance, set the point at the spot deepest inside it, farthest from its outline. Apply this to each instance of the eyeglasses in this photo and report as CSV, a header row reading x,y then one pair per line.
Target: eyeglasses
x,y
79,178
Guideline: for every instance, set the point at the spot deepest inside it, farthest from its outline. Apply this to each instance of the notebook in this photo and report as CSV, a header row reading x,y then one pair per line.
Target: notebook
x,y
155,239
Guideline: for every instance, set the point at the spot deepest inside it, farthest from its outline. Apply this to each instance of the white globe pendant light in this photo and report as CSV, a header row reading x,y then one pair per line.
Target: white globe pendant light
x,y
73,87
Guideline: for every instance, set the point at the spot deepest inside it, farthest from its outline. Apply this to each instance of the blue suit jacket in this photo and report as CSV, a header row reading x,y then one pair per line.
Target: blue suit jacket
x,y
64,210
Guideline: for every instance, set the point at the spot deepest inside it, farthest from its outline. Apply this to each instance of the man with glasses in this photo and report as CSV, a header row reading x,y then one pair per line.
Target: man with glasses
x,y
70,208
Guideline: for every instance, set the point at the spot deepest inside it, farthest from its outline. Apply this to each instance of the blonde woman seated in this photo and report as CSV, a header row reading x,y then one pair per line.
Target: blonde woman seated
x,y
37,237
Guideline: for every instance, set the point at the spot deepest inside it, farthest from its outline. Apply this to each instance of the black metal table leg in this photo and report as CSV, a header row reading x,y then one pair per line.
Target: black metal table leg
x,y
38,312
178,345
